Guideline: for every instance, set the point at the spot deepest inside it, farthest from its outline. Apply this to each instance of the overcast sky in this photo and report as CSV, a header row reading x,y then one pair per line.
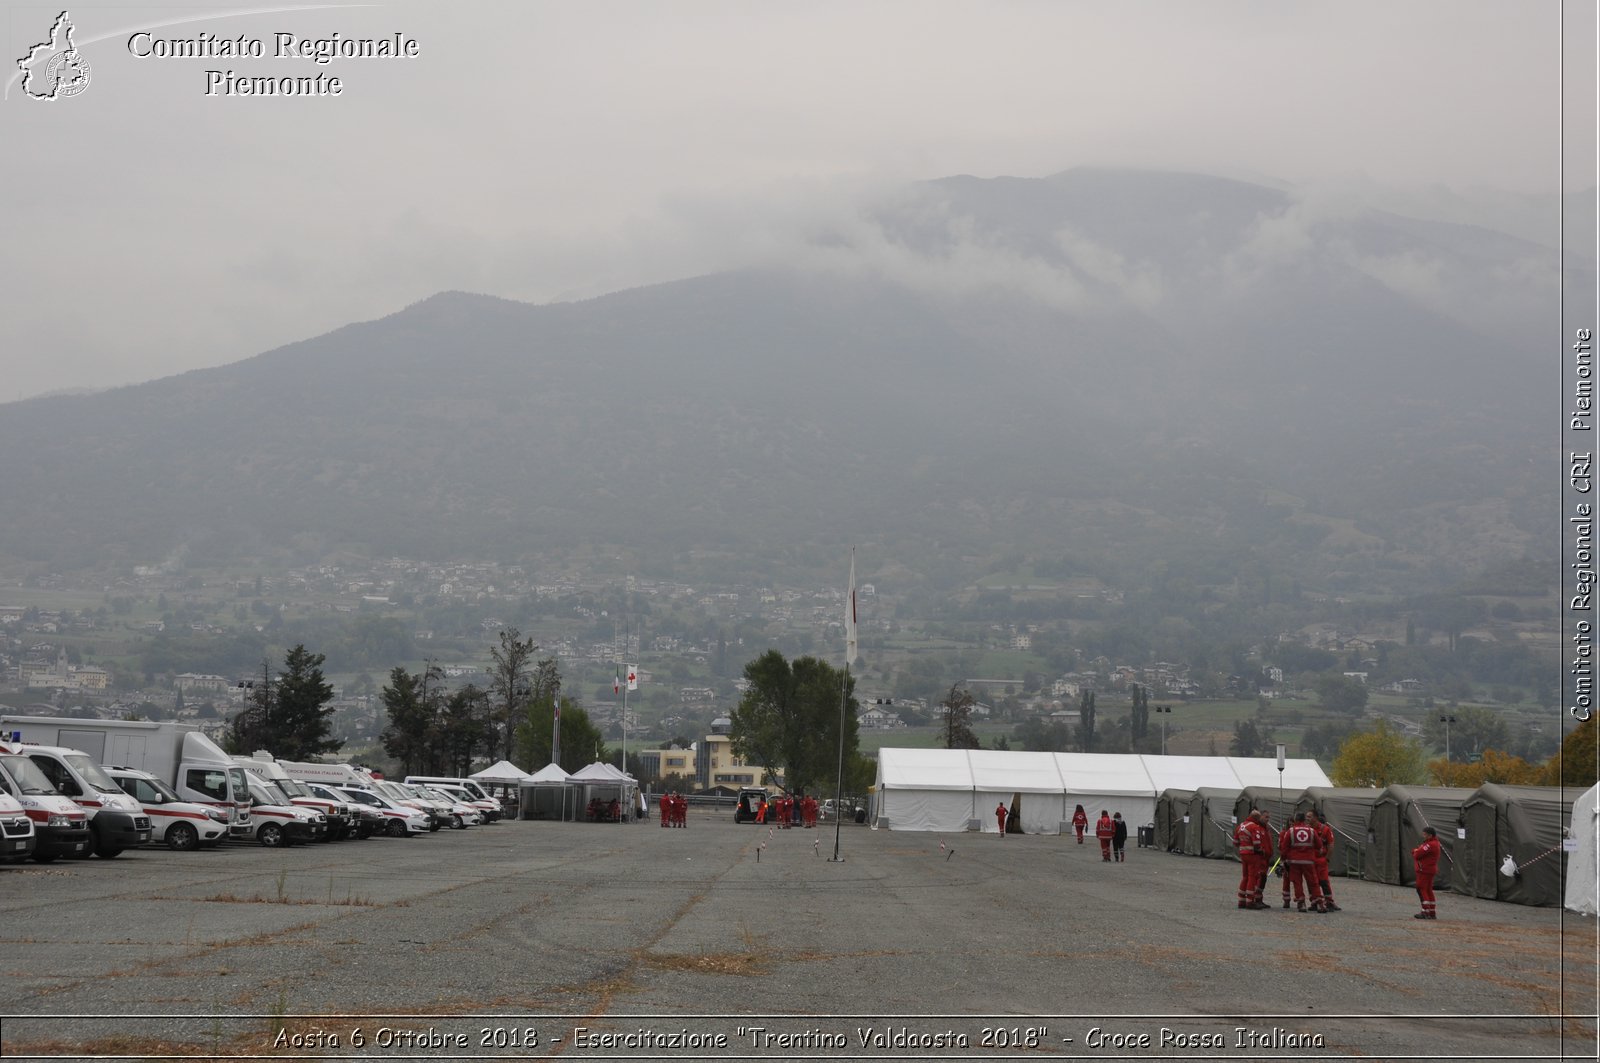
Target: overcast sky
x,y
546,150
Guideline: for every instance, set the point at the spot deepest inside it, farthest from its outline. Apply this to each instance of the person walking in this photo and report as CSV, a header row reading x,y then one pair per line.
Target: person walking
x,y
1325,834
1119,838
1283,860
1104,831
1080,823
1426,859
1000,818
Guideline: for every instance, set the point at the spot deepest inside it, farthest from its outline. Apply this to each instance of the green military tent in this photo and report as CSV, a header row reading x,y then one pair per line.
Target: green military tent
x,y
1524,823
1398,816
1211,822
1171,822
1279,809
1348,810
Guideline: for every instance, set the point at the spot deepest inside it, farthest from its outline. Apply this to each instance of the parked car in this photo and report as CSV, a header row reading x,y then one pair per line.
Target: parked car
x,y
181,825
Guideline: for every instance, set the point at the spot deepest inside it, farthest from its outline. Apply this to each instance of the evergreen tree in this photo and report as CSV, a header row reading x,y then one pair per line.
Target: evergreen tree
x,y
1139,717
410,735
1086,722
300,719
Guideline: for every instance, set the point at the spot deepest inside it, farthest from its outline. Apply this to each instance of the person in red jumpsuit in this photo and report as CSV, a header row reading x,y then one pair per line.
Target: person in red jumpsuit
x,y
1263,833
666,808
1325,832
1080,823
1426,859
1105,830
1283,861
1000,818
1245,841
1304,846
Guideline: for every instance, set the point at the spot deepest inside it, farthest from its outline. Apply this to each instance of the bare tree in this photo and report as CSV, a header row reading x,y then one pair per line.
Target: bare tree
x,y
958,719
508,681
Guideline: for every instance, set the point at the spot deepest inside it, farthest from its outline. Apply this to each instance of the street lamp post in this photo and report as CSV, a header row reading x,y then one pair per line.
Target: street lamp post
x,y
1168,710
1447,721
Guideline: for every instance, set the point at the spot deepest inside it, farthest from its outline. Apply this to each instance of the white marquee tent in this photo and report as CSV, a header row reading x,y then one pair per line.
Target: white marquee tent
x,y
1583,874
949,789
504,773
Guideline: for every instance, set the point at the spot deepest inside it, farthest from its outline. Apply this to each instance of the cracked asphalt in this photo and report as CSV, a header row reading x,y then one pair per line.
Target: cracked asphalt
x,y
537,940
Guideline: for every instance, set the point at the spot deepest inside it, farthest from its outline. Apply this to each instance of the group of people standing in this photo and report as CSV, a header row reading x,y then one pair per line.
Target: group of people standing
x,y
674,810
1302,849
785,811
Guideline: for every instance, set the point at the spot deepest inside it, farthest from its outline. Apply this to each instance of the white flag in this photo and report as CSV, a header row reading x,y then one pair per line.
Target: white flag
x,y
633,677
851,648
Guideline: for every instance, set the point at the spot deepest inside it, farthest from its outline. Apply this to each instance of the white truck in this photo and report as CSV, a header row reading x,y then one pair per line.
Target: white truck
x,y
176,753
59,825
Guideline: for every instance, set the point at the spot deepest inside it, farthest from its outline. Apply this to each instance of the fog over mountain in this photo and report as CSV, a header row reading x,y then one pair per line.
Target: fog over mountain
x,y
1107,368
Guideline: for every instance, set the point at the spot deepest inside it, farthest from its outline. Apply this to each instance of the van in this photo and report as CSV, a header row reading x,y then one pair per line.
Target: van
x,y
17,838
60,827
477,796
180,825
115,820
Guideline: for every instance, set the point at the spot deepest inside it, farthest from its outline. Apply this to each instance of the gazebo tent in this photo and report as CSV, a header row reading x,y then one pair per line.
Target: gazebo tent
x,y
547,794
1211,822
1348,810
504,773
1172,814
1524,822
1109,782
925,789
1028,784
1398,816
1583,875
606,782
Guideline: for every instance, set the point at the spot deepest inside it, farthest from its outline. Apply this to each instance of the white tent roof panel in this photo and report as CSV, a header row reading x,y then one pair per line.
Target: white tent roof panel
x,y
1001,771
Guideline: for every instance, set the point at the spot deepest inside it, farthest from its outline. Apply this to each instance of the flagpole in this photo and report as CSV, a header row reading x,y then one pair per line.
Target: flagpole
x,y
844,691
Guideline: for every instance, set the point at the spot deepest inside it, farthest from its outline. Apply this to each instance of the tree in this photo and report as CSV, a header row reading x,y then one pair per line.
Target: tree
x,y
302,720
957,727
508,681
1380,757
1474,730
1575,763
251,728
1341,693
1493,766
581,741
411,735
1249,740
1042,735
1139,716
1086,722
789,720
465,728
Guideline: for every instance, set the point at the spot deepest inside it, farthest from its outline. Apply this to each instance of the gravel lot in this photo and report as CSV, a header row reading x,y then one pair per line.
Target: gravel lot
x,y
504,941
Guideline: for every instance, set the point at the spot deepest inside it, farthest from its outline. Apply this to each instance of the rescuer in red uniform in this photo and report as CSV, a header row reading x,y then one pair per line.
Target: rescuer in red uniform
x,y
1304,845
1080,822
1426,859
1325,833
1263,832
666,808
1283,860
1105,830
1244,840
1000,818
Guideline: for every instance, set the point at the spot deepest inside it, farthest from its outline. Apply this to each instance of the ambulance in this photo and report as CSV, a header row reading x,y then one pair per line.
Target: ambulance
x,y
115,820
341,815
60,827
178,754
277,819
17,838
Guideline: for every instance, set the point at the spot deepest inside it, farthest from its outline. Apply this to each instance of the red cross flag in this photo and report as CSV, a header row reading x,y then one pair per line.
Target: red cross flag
x,y
633,677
